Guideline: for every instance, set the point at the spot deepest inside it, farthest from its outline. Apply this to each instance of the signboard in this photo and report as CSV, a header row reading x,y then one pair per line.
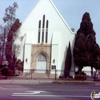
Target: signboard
x,y
53,66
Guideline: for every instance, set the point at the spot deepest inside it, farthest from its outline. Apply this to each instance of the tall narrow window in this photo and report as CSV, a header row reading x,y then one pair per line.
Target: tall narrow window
x,y
43,21
43,25
39,31
47,22
43,30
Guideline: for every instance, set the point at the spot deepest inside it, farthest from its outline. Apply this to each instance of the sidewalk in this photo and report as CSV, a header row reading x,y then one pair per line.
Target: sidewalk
x,y
24,81
44,81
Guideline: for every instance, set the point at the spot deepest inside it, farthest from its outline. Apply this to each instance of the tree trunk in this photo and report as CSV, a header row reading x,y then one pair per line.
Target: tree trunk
x,y
80,69
91,71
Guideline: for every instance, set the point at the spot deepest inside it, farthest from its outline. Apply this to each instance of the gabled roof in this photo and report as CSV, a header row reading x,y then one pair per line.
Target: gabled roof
x,y
50,1
60,15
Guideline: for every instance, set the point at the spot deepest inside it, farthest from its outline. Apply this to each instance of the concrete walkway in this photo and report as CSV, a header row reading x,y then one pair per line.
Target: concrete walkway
x,y
44,81
10,81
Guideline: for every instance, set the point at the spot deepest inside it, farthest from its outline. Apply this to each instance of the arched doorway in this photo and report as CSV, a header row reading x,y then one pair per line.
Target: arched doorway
x,y
41,64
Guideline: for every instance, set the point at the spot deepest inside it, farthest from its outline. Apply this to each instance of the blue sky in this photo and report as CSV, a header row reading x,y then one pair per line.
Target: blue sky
x,y
71,10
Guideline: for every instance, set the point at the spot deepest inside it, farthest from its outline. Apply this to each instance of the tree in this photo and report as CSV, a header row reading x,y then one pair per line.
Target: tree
x,y
9,19
68,62
10,46
85,47
10,16
1,43
97,62
8,35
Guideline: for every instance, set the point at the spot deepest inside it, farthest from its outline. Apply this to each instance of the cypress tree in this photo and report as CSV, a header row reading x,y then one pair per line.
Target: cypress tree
x,y
68,62
85,47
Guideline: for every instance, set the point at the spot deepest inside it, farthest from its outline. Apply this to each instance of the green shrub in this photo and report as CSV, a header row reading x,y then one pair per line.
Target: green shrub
x,y
8,73
76,73
80,77
19,64
61,77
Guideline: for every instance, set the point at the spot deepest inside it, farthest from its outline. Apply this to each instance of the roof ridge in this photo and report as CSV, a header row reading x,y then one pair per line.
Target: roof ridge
x,y
60,15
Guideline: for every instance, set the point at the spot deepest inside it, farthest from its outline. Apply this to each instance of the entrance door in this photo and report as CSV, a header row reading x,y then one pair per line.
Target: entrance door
x,y
41,64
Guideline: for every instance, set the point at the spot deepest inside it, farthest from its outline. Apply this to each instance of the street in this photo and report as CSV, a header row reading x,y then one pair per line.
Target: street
x,y
48,91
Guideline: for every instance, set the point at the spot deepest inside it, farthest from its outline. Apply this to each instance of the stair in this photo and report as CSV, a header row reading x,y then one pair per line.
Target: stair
x,y
37,75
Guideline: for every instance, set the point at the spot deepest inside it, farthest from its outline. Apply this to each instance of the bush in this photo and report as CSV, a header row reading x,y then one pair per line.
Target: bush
x,y
61,77
8,72
76,73
70,77
19,64
82,73
80,77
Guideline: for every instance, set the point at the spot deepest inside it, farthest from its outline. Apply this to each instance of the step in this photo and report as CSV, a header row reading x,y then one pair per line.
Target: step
x,y
38,75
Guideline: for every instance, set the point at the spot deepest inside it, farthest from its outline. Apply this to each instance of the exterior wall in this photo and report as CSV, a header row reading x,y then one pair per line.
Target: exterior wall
x,y
59,35
55,57
27,58
73,66
54,51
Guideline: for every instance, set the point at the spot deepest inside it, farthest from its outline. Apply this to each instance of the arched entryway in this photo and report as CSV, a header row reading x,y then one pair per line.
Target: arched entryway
x,y
41,64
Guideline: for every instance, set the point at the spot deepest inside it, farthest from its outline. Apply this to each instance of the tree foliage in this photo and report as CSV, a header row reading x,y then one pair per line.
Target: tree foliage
x,y
1,42
10,47
68,62
97,62
19,64
10,14
3,38
85,47
8,34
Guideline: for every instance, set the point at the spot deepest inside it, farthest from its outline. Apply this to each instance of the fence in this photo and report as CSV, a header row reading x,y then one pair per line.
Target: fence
x,y
53,74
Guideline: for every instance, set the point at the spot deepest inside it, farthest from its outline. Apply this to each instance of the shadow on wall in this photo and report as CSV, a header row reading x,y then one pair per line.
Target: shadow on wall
x,y
63,62
72,73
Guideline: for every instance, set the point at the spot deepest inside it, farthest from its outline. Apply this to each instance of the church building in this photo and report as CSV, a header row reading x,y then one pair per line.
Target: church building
x,y
44,39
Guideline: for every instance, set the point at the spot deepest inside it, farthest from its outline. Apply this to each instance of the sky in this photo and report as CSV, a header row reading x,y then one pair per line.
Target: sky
x,y
71,10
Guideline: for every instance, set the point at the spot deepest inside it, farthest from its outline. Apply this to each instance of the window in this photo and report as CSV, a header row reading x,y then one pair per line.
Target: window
x,y
46,31
41,58
43,25
39,31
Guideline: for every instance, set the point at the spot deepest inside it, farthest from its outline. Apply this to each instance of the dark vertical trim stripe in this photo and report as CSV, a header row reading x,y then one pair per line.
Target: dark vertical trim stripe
x,y
43,25
39,31
47,22
39,23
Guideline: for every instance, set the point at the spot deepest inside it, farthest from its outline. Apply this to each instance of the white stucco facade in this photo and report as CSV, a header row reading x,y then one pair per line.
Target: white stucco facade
x,y
52,41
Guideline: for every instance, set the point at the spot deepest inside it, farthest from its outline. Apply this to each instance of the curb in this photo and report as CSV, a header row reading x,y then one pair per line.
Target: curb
x,y
76,82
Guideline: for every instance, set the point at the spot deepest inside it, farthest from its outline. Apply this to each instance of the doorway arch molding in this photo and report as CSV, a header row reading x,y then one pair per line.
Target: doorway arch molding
x,y
35,58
